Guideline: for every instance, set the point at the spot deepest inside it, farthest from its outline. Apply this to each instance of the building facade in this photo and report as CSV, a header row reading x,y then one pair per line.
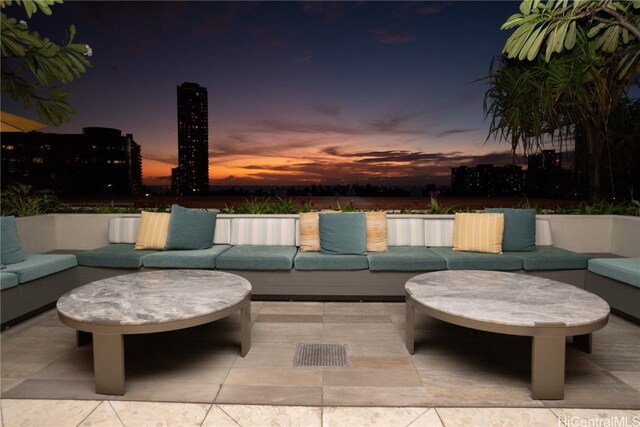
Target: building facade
x,y
191,177
98,162
488,180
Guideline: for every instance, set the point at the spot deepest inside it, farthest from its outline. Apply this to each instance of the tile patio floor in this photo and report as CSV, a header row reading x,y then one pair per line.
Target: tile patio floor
x,y
457,376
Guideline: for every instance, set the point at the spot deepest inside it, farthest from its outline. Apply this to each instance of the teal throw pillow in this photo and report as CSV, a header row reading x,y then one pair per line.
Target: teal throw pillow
x,y
11,249
519,229
343,233
190,228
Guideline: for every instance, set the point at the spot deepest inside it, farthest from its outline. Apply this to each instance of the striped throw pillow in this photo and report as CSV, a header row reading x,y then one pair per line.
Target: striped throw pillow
x,y
309,232
152,230
478,232
376,223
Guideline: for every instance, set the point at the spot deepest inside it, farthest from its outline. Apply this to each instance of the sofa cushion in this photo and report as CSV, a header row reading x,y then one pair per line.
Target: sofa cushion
x,y
552,258
343,234
8,280
406,258
122,255
626,270
519,229
257,258
478,232
195,258
263,232
376,226
10,248
190,228
123,230
320,261
36,266
152,231
405,232
459,260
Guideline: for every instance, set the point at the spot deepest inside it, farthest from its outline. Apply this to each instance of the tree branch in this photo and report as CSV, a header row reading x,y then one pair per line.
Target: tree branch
x,y
622,20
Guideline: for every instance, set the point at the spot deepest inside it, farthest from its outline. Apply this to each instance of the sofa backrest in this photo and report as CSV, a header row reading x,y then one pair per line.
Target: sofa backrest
x,y
125,230
263,231
284,231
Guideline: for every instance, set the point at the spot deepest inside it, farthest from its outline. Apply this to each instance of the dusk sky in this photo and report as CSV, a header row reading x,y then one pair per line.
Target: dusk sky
x,y
299,92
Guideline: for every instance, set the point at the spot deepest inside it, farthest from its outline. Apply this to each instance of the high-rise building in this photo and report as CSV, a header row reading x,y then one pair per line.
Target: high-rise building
x,y
191,177
488,180
98,162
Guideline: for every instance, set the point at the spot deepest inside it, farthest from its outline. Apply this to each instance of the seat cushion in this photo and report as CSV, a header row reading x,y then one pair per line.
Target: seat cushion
x,y
626,270
257,258
36,266
406,258
118,255
196,258
320,261
190,228
552,258
10,249
8,280
458,260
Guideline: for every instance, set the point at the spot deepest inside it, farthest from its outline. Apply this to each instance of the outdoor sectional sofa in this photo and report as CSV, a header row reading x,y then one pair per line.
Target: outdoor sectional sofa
x,y
265,250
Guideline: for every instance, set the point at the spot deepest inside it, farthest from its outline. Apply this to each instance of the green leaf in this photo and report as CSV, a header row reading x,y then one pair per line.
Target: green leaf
x,y
595,30
570,40
525,7
535,47
528,45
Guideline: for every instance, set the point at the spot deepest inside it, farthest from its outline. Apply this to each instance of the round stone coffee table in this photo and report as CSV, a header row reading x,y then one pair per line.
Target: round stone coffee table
x,y
513,304
148,302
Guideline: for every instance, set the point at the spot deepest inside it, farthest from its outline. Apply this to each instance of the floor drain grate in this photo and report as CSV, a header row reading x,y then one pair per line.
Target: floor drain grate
x,y
333,355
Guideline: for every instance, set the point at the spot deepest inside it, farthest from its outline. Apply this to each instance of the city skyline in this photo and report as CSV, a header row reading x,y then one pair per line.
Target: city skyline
x,y
299,93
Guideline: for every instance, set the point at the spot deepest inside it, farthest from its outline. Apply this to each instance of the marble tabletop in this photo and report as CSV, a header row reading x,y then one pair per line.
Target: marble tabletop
x,y
154,297
506,298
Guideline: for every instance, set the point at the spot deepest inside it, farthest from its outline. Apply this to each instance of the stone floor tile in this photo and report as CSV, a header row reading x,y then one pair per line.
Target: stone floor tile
x,y
488,378
75,366
54,389
265,360
169,391
595,417
428,419
182,372
7,384
258,415
371,378
374,396
102,416
382,362
59,413
282,377
454,395
371,416
619,397
494,417
216,417
354,308
289,318
376,348
632,378
292,307
160,414
353,319
269,395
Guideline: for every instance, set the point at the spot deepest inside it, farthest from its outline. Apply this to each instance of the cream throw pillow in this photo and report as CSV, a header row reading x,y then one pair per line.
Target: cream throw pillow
x,y
309,232
152,231
376,231
478,232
